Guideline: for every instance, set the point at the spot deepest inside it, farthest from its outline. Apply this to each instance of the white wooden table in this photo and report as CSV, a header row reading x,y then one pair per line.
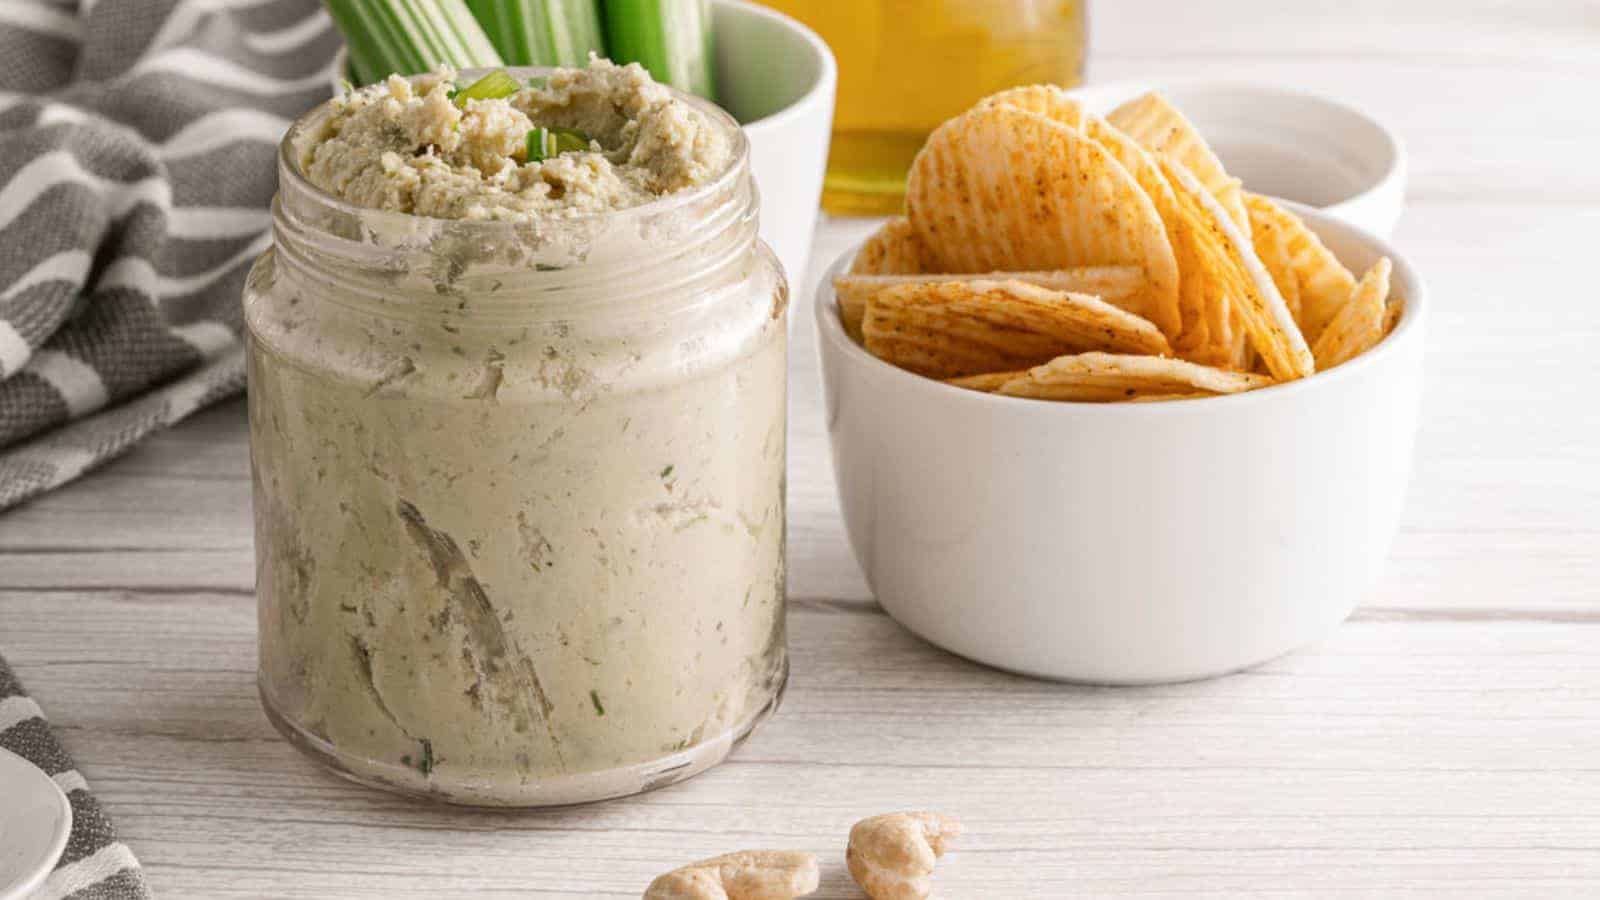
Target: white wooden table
x,y
1447,738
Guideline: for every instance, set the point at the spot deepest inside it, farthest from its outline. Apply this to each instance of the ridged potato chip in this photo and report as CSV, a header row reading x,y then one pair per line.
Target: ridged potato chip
x,y
1068,392
1163,398
1392,314
1107,376
1045,99
1324,283
952,329
1000,188
988,382
1053,103
892,250
1225,273
1271,240
1271,243
1113,377
1113,284
1213,328
1359,326
1158,126
1177,320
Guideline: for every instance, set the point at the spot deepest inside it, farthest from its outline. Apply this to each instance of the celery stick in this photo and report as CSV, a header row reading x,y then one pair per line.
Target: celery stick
x,y
542,32
409,37
671,38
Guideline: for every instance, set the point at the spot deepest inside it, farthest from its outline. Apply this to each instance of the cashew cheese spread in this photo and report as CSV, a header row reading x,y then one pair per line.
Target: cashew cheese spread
x,y
518,441
409,146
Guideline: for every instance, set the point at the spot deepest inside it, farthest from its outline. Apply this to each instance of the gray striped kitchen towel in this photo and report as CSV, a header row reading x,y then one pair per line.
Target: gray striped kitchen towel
x,y
95,865
137,160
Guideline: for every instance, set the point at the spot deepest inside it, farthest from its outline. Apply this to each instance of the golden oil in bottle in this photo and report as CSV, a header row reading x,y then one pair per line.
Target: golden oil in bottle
x,y
907,65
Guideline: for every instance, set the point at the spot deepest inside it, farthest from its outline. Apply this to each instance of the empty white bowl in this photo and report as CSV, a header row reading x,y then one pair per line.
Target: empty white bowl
x,y
1287,143
1127,543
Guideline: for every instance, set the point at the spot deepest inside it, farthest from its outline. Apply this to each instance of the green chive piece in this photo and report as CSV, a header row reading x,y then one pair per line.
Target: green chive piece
x,y
493,86
538,144
594,697
542,32
545,143
671,38
410,37
570,139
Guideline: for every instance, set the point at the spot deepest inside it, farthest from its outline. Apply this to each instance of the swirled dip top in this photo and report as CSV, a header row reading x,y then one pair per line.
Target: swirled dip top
x,y
406,145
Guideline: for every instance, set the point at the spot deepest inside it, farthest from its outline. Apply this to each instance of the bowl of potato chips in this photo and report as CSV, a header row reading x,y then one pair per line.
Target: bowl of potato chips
x,y
1101,413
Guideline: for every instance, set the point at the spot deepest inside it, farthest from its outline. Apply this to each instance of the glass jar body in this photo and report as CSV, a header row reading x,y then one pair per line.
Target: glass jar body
x,y
514,554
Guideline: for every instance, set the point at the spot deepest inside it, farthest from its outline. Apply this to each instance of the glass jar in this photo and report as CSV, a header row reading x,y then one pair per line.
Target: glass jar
x,y
907,65
519,490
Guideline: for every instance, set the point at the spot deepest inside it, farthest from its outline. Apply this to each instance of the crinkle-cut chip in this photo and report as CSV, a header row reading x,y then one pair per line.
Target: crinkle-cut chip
x,y
1392,314
1047,100
1242,354
1207,324
1074,392
1212,330
1107,376
1158,126
987,382
891,250
1226,271
1000,188
1101,281
951,329
1229,337
1163,398
1358,327
1323,282
1177,319
1271,239
1113,284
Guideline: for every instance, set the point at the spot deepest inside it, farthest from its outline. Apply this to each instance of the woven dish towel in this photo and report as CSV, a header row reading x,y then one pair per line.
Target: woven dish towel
x,y
138,144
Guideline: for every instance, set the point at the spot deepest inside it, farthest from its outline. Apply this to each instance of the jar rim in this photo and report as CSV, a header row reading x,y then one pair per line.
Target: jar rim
x,y
290,170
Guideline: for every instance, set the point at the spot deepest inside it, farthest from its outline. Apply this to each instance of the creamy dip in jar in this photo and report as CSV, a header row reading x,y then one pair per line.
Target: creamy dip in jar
x,y
517,439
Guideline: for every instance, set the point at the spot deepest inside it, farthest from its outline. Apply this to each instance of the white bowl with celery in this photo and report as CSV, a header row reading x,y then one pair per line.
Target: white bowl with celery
x,y
774,75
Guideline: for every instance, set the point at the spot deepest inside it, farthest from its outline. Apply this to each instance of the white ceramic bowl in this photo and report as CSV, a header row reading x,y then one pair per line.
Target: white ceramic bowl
x,y
1127,543
35,822
777,77
1290,144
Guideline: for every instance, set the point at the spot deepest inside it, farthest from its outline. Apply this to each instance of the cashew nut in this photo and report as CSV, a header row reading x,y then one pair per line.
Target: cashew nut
x,y
745,875
892,856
